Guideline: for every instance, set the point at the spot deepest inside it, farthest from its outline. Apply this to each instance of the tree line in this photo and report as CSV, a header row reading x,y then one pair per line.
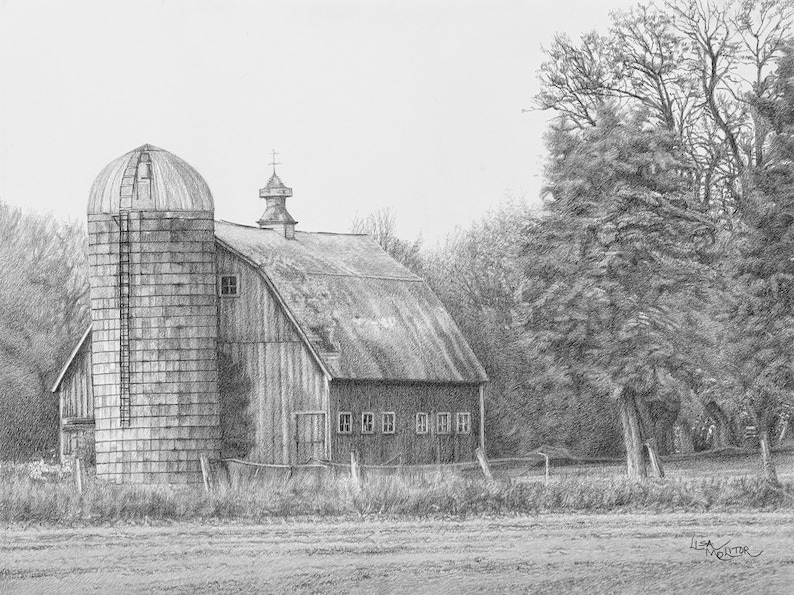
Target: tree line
x,y
670,218
43,312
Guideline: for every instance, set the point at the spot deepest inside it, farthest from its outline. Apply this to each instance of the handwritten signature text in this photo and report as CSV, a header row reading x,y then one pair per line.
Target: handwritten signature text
x,y
722,552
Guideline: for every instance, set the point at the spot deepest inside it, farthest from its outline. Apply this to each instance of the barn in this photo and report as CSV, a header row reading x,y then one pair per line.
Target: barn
x,y
264,343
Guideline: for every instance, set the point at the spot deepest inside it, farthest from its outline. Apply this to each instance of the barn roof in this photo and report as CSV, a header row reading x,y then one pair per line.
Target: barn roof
x,y
351,298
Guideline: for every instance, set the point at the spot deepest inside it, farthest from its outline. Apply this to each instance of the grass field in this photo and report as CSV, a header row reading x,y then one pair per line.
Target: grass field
x,y
588,531
542,554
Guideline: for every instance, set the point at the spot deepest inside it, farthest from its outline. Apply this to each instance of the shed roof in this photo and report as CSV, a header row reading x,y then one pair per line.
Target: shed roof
x,y
70,359
350,297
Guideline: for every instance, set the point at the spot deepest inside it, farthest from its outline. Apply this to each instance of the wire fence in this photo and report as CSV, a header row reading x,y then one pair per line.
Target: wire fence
x,y
547,464
534,466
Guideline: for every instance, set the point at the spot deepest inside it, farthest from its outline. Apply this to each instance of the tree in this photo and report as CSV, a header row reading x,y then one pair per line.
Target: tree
x,y
474,274
381,226
761,346
43,312
702,69
622,247
725,100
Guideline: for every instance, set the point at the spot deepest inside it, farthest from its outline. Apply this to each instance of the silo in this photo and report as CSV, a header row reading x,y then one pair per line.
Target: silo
x,y
154,315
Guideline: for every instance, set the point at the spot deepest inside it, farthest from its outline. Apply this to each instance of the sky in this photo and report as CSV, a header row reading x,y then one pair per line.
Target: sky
x,y
412,105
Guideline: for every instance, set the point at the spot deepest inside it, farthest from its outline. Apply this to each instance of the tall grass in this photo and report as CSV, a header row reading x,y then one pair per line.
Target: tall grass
x,y
24,499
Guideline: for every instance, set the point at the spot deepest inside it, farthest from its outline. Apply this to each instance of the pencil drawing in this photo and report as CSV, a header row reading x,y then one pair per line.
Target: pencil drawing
x,y
589,390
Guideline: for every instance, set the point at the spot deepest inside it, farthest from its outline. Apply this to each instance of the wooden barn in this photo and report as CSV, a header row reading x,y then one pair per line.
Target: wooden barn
x,y
265,343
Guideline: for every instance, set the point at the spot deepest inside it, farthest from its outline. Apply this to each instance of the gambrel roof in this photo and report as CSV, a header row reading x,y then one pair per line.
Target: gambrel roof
x,y
352,299
364,315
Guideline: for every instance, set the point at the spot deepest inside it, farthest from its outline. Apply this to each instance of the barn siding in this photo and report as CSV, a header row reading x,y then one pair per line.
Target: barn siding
x,y
76,397
406,399
76,391
280,374
254,316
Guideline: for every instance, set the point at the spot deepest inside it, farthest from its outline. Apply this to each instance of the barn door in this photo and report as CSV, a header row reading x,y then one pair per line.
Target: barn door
x,y
309,437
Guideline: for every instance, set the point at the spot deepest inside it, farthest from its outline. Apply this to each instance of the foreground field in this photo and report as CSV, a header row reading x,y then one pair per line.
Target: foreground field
x,y
541,554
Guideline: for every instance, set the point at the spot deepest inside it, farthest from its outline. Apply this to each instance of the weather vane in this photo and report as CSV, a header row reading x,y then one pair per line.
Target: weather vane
x,y
274,163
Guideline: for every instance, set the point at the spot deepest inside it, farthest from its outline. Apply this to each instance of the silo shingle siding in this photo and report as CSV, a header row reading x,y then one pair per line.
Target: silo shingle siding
x,y
172,346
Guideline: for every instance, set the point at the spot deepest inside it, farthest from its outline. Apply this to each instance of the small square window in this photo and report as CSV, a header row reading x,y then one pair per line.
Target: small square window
x,y
367,423
387,423
345,425
229,286
421,423
442,423
464,423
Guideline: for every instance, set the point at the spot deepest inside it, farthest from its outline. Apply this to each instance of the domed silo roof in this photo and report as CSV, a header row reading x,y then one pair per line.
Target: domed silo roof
x,y
171,184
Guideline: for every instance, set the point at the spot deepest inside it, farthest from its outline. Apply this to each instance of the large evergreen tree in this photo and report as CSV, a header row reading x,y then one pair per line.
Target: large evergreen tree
x,y
622,249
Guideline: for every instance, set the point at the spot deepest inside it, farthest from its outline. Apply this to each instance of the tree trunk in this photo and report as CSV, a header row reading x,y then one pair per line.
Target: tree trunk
x,y
766,457
724,431
632,436
654,461
782,436
664,432
650,439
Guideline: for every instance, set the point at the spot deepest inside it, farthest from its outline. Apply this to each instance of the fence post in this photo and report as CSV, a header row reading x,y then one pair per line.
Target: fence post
x,y
354,473
78,474
545,456
483,463
206,473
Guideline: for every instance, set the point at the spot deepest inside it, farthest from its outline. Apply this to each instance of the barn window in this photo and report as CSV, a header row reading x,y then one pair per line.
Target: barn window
x,y
442,423
367,423
464,423
230,286
345,425
387,423
421,423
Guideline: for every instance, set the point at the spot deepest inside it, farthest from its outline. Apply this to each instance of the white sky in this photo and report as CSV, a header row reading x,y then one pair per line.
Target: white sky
x,y
414,105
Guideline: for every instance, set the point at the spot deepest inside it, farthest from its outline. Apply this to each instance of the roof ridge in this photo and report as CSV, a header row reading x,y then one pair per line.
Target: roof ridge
x,y
327,233
413,278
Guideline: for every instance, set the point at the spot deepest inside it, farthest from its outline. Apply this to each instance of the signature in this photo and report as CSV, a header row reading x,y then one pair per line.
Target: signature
x,y
722,552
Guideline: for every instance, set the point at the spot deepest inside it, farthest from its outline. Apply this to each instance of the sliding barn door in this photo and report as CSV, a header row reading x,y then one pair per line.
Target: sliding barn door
x,y
309,437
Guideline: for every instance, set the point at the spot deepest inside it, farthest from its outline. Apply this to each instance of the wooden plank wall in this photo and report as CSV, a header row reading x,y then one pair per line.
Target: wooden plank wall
x,y
405,400
254,316
76,391
281,375
76,397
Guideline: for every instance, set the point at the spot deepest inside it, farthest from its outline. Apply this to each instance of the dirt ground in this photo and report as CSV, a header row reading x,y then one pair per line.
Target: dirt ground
x,y
545,554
